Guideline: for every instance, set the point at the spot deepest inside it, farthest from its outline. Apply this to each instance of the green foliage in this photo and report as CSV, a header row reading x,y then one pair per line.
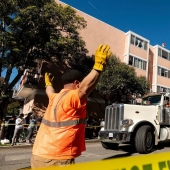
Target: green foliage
x,y
39,29
119,81
142,85
13,108
44,29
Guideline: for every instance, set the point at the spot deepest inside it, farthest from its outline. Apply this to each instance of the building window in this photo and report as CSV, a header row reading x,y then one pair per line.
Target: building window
x,y
130,60
132,39
138,63
145,45
162,89
138,42
163,72
159,52
144,65
164,54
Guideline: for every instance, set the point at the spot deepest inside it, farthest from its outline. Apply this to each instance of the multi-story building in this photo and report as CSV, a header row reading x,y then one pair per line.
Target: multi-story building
x,y
153,62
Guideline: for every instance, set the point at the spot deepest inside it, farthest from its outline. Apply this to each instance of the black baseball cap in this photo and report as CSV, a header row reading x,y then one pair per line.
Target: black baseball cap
x,y
71,75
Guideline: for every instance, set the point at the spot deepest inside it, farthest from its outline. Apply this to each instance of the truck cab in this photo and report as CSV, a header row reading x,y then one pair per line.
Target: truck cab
x,y
143,125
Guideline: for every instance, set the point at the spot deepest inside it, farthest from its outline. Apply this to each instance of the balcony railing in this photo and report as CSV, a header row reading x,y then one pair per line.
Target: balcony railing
x,y
30,78
27,86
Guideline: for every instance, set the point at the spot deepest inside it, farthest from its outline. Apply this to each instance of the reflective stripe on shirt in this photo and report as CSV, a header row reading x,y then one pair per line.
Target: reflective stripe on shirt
x,y
64,123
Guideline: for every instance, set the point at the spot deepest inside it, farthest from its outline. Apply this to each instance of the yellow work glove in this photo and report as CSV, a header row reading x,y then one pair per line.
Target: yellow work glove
x,y
48,79
101,55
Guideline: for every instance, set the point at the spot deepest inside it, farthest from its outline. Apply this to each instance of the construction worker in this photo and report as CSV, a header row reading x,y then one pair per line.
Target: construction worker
x,y
61,137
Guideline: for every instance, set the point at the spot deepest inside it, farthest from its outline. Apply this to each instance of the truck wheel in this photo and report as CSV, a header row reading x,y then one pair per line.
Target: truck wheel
x,y
144,140
109,145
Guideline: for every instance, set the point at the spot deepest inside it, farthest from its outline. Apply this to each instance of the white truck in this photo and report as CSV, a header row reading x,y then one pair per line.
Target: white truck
x,y
142,125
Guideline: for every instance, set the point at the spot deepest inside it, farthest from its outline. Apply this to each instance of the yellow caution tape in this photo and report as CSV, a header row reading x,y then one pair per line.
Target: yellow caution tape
x,y
159,161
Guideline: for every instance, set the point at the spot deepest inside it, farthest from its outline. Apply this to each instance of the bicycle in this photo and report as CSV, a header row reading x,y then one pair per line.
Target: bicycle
x,y
23,135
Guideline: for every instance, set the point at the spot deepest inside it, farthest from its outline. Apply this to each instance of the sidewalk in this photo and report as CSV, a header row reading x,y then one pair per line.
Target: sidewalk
x,y
23,145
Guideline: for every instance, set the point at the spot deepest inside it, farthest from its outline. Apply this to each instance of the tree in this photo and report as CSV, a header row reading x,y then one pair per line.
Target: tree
x,y
142,85
119,82
13,108
33,30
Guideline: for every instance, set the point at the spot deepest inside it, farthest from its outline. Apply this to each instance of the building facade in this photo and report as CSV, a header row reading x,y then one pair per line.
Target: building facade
x,y
153,62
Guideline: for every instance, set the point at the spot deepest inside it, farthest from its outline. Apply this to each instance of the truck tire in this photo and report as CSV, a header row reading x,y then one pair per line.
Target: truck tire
x,y
107,145
144,140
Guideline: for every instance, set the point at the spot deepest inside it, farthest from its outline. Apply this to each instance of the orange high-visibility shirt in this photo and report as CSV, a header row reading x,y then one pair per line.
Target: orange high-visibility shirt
x,y
62,132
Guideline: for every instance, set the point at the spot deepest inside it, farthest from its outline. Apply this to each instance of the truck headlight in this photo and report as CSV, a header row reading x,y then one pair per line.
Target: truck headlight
x,y
127,122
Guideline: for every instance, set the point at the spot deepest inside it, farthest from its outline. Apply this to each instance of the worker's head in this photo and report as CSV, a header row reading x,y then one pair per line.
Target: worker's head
x,y
72,76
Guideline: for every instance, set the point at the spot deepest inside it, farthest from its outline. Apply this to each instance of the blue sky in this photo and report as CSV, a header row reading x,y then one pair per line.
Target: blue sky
x,y
148,18
13,74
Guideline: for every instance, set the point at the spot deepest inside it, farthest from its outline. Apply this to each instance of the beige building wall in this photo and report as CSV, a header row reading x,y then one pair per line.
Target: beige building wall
x,y
140,72
152,67
153,52
163,62
138,52
163,81
126,49
159,61
98,32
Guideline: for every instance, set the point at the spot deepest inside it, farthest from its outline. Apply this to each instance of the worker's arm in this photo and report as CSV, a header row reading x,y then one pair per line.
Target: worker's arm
x,y
91,80
48,84
88,84
49,90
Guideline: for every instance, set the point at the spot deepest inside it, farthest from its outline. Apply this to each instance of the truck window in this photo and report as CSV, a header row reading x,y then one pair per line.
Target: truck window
x,y
151,100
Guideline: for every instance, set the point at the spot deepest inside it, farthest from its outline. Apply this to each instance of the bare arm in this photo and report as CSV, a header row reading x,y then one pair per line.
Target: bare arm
x,y
88,84
48,84
49,90
90,81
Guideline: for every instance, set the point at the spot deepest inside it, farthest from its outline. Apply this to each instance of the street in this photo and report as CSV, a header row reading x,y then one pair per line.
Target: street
x,y
15,158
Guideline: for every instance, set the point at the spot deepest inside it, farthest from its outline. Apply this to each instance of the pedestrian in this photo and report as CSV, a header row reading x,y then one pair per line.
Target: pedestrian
x,y
39,119
31,128
60,138
11,128
27,119
18,128
89,127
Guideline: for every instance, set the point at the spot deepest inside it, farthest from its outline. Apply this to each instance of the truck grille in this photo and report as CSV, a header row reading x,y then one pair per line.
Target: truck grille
x,y
113,116
165,116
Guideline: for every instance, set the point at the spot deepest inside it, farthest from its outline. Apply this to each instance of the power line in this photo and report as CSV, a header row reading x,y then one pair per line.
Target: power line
x,y
94,7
